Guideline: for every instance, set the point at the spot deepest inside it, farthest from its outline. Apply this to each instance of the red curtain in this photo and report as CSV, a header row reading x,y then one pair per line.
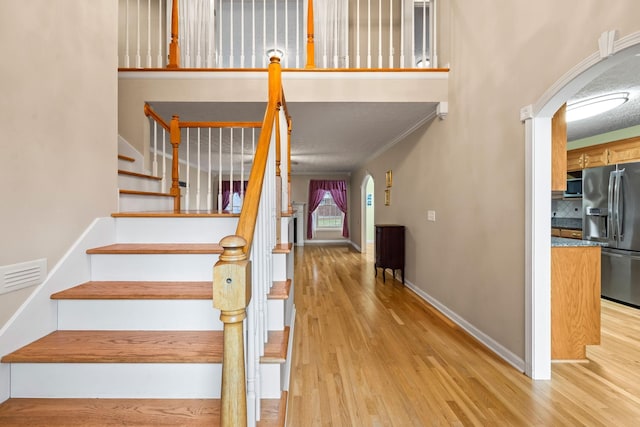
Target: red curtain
x,y
317,190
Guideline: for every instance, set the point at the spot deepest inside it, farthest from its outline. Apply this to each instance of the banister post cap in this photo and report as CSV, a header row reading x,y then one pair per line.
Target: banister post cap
x,y
233,248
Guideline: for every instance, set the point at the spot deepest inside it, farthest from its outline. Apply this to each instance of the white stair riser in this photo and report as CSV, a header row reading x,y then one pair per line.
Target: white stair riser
x,y
125,165
142,315
161,267
129,182
177,230
271,376
139,203
116,380
275,315
153,315
279,267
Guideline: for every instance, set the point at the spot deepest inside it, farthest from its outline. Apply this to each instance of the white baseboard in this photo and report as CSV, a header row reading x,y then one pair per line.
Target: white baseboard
x,y
485,339
355,246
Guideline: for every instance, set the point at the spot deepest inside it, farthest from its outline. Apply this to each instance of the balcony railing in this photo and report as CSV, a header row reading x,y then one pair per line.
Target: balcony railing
x,y
231,34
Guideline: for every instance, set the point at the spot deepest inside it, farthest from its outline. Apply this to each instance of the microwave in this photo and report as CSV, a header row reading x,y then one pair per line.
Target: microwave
x,y
574,188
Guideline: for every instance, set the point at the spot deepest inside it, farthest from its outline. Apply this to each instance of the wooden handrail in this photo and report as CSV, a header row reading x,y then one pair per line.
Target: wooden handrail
x,y
220,125
311,50
174,47
150,112
248,216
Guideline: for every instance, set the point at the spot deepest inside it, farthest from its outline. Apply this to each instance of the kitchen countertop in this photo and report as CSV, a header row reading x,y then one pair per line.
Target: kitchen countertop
x,y
563,242
568,223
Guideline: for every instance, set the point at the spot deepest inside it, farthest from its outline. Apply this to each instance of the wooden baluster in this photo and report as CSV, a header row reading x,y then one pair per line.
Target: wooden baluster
x,y
231,295
310,37
174,137
174,48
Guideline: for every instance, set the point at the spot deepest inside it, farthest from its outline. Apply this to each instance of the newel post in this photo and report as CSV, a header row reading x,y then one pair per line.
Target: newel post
x,y
174,48
231,295
174,137
311,50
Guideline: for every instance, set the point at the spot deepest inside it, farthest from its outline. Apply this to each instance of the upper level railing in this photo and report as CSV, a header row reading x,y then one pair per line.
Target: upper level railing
x,y
230,34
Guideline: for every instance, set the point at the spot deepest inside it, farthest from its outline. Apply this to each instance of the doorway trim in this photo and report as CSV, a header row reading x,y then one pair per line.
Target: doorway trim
x,y
537,120
363,211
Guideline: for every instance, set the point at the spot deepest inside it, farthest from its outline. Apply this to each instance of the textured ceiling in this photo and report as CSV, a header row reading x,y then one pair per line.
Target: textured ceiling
x,y
326,137
624,77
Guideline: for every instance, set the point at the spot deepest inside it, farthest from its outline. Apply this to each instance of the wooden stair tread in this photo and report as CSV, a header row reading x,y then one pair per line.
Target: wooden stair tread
x,y
158,248
275,350
144,193
137,347
126,158
139,175
129,412
172,214
137,290
280,290
282,248
122,347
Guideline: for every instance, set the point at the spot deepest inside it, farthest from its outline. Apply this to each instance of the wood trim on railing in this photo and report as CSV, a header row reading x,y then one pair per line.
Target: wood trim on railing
x,y
247,221
311,62
174,137
220,125
150,112
174,47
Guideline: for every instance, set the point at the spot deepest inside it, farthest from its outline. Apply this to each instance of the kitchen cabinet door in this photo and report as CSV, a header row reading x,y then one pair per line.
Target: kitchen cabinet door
x,y
559,150
596,157
575,160
627,150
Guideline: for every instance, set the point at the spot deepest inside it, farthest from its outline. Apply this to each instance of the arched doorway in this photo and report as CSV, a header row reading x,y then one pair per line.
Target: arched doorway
x,y
367,211
537,120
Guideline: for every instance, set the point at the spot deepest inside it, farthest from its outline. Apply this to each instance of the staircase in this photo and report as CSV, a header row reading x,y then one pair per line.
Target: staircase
x,y
140,342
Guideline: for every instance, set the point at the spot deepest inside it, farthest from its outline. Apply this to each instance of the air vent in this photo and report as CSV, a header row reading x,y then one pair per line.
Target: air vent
x,y
22,275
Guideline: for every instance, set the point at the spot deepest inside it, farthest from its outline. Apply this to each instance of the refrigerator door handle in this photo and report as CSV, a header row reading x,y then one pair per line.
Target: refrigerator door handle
x,y
619,205
611,232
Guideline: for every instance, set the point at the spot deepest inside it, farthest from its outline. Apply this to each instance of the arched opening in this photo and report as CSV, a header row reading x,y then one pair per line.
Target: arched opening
x,y
367,212
538,198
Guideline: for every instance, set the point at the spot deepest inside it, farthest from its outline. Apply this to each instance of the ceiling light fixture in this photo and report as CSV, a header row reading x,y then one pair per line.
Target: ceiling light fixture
x,y
593,106
278,53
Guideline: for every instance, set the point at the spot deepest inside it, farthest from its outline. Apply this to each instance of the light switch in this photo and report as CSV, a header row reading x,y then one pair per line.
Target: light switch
x,y
431,215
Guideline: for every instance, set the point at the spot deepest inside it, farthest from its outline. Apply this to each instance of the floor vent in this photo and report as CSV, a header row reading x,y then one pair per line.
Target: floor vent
x,y
22,275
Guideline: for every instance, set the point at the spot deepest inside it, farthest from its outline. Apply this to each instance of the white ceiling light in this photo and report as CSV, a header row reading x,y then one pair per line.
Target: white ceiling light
x,y
278,53
593,106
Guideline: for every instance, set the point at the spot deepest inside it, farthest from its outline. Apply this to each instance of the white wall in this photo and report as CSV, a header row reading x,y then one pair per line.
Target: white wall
x,y
469,168
58,116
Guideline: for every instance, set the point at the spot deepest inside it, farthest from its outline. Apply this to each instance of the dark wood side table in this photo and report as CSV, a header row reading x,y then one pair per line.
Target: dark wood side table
x,y
389,249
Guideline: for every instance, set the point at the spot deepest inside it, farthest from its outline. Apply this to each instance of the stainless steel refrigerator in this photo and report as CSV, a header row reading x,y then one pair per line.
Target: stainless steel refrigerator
x,y
611,214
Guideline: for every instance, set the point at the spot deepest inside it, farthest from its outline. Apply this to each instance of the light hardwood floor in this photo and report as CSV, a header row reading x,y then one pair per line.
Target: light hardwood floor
x,y
374,354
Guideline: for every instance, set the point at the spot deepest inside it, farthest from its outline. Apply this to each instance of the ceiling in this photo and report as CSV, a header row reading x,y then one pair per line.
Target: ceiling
x,y
327,137
625,77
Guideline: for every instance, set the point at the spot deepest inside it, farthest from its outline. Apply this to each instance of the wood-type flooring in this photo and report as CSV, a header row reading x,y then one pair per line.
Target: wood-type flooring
x,y
368,353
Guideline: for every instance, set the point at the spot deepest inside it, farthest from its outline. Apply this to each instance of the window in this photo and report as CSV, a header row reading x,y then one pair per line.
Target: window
x,y
328,215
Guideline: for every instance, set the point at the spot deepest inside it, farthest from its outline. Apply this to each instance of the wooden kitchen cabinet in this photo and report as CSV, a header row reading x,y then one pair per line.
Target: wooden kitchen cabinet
x,y
575,160
559,150
555,232
575,301
390,248
611,153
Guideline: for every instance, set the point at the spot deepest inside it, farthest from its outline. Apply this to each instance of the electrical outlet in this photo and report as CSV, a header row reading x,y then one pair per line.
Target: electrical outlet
x,y
431,215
